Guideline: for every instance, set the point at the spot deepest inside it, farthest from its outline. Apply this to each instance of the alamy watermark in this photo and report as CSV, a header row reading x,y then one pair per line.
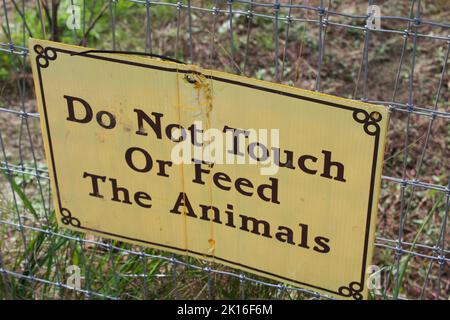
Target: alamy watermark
x,y
374,279
74,278
73,21
373,21
227,146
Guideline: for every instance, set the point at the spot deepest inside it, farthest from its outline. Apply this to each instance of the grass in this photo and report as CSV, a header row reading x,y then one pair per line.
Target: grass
x,y
110,268
404,263
112,272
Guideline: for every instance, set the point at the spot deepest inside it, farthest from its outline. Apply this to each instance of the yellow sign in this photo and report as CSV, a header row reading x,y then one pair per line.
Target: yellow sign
x,y
274,180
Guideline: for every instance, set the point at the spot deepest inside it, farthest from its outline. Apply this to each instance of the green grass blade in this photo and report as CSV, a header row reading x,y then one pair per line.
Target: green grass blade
x,y
18,190
404,263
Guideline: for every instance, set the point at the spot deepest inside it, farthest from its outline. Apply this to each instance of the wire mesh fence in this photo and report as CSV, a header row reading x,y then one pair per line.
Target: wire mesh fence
x,y
326,46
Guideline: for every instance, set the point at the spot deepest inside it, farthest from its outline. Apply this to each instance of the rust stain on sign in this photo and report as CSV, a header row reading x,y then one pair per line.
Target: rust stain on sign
x,y
201,104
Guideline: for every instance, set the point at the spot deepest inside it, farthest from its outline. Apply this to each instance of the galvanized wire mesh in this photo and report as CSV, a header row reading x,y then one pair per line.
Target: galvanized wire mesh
x,y
218,34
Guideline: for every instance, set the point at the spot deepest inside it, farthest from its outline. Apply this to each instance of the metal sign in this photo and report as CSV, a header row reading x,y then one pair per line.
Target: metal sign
x,y
270,179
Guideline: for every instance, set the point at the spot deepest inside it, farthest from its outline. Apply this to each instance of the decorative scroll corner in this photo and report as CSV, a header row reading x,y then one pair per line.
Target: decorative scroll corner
x,y
44,55
353,290
68,219
369,121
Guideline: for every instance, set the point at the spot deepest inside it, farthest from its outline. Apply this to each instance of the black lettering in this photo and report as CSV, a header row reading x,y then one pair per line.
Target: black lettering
x,y
141,195
242,182
162,167
322,243
256,224
198,173
327,168
230,216
129,159
70,108
236,134
154,124
205,210
285,234
273,188
289,163
302,165
220,176
94,179
102,123
183,200
304,240
193,129
116,190
255,145
169,132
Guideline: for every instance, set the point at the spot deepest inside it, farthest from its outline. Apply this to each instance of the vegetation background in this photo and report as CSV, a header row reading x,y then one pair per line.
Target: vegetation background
x,y
109,271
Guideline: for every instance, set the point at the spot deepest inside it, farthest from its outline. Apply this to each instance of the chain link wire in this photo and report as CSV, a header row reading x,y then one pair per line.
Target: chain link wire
x,y
24,159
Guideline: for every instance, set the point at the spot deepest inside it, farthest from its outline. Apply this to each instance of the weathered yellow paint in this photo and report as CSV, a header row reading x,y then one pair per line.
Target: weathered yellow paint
x,y
342,213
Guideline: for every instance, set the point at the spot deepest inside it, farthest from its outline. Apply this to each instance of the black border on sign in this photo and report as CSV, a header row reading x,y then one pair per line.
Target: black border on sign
x,y
46,55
